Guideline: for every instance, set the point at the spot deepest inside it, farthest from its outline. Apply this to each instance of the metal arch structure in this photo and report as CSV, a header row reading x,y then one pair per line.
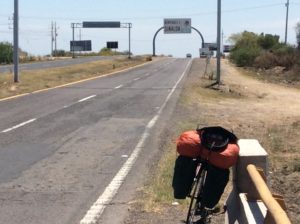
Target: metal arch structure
x,y
154,38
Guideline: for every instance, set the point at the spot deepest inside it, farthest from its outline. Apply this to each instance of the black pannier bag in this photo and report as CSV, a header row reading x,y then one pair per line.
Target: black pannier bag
x,y
215,183
184,173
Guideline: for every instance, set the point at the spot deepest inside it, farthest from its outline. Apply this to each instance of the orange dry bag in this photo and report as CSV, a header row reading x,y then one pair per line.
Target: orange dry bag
x,y
222,159
188,144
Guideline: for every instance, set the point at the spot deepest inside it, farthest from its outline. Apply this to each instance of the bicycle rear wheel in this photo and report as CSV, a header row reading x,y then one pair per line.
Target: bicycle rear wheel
x,y
196,192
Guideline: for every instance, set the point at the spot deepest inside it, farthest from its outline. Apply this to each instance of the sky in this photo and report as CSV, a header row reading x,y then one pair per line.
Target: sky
x,y
36,16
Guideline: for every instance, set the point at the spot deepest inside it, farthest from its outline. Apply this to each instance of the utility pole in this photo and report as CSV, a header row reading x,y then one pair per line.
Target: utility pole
x,y
73,39
287,20
52,38
219,44
16,41
55,38
129,38
80,38
73,26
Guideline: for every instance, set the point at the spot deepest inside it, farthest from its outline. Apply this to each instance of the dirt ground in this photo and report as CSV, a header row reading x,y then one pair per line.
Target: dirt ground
x,y
254,109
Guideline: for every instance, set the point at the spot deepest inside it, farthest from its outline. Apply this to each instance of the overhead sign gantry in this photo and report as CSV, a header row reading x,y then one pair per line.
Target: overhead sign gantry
x,y
110,24
102,24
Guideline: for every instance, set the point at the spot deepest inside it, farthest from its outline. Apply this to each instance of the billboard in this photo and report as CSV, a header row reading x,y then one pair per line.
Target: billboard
x,y
182,25
111,24
81,45
112,44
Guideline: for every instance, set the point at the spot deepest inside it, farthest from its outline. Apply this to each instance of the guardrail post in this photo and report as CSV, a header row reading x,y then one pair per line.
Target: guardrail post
x,y
275,213
251,152
251,201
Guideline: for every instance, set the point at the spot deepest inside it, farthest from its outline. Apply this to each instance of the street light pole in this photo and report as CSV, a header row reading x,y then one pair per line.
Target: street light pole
x,y
16,41
287,20
219,44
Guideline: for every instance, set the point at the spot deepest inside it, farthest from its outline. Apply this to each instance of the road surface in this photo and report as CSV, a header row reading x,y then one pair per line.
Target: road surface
x,y
77,154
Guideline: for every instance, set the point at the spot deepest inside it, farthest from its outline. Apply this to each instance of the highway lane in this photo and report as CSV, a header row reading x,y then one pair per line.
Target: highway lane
x,y
52,64
61,149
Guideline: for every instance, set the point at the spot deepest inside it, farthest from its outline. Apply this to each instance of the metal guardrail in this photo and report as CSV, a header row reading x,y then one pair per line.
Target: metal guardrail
x,y
275,205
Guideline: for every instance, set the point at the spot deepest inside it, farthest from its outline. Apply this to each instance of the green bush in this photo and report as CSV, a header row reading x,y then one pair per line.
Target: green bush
x,y
246,48
244,56
6,53
59,53
105,52
297,29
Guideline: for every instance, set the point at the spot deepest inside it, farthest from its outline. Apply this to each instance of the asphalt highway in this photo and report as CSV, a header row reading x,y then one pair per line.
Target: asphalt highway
x,y
77,154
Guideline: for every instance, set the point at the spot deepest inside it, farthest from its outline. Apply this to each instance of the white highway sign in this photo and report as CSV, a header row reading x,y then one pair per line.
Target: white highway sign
x,y
177,26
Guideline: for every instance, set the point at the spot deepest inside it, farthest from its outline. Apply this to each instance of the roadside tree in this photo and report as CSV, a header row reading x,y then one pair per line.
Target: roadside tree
x,y
297,28
268,41
6,53
246,48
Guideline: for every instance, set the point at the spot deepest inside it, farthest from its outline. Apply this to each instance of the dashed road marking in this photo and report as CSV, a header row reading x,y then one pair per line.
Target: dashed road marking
x,y
18,126
118,87
86,98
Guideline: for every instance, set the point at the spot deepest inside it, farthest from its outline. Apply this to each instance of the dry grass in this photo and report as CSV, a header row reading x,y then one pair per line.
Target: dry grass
x,y
34,80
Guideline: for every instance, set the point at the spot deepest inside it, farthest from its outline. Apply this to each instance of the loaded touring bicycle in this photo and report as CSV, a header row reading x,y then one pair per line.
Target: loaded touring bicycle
x,y
202,169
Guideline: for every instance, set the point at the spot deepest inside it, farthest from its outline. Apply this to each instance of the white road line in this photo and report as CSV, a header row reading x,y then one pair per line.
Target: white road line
x,y
94,213
18,126
136,79
86,98
118,87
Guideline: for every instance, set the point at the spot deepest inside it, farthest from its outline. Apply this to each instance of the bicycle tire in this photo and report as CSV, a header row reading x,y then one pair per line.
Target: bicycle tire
x,y
195,195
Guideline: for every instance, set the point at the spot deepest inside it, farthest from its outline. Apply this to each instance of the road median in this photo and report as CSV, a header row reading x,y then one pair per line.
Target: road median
x,y
34,81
